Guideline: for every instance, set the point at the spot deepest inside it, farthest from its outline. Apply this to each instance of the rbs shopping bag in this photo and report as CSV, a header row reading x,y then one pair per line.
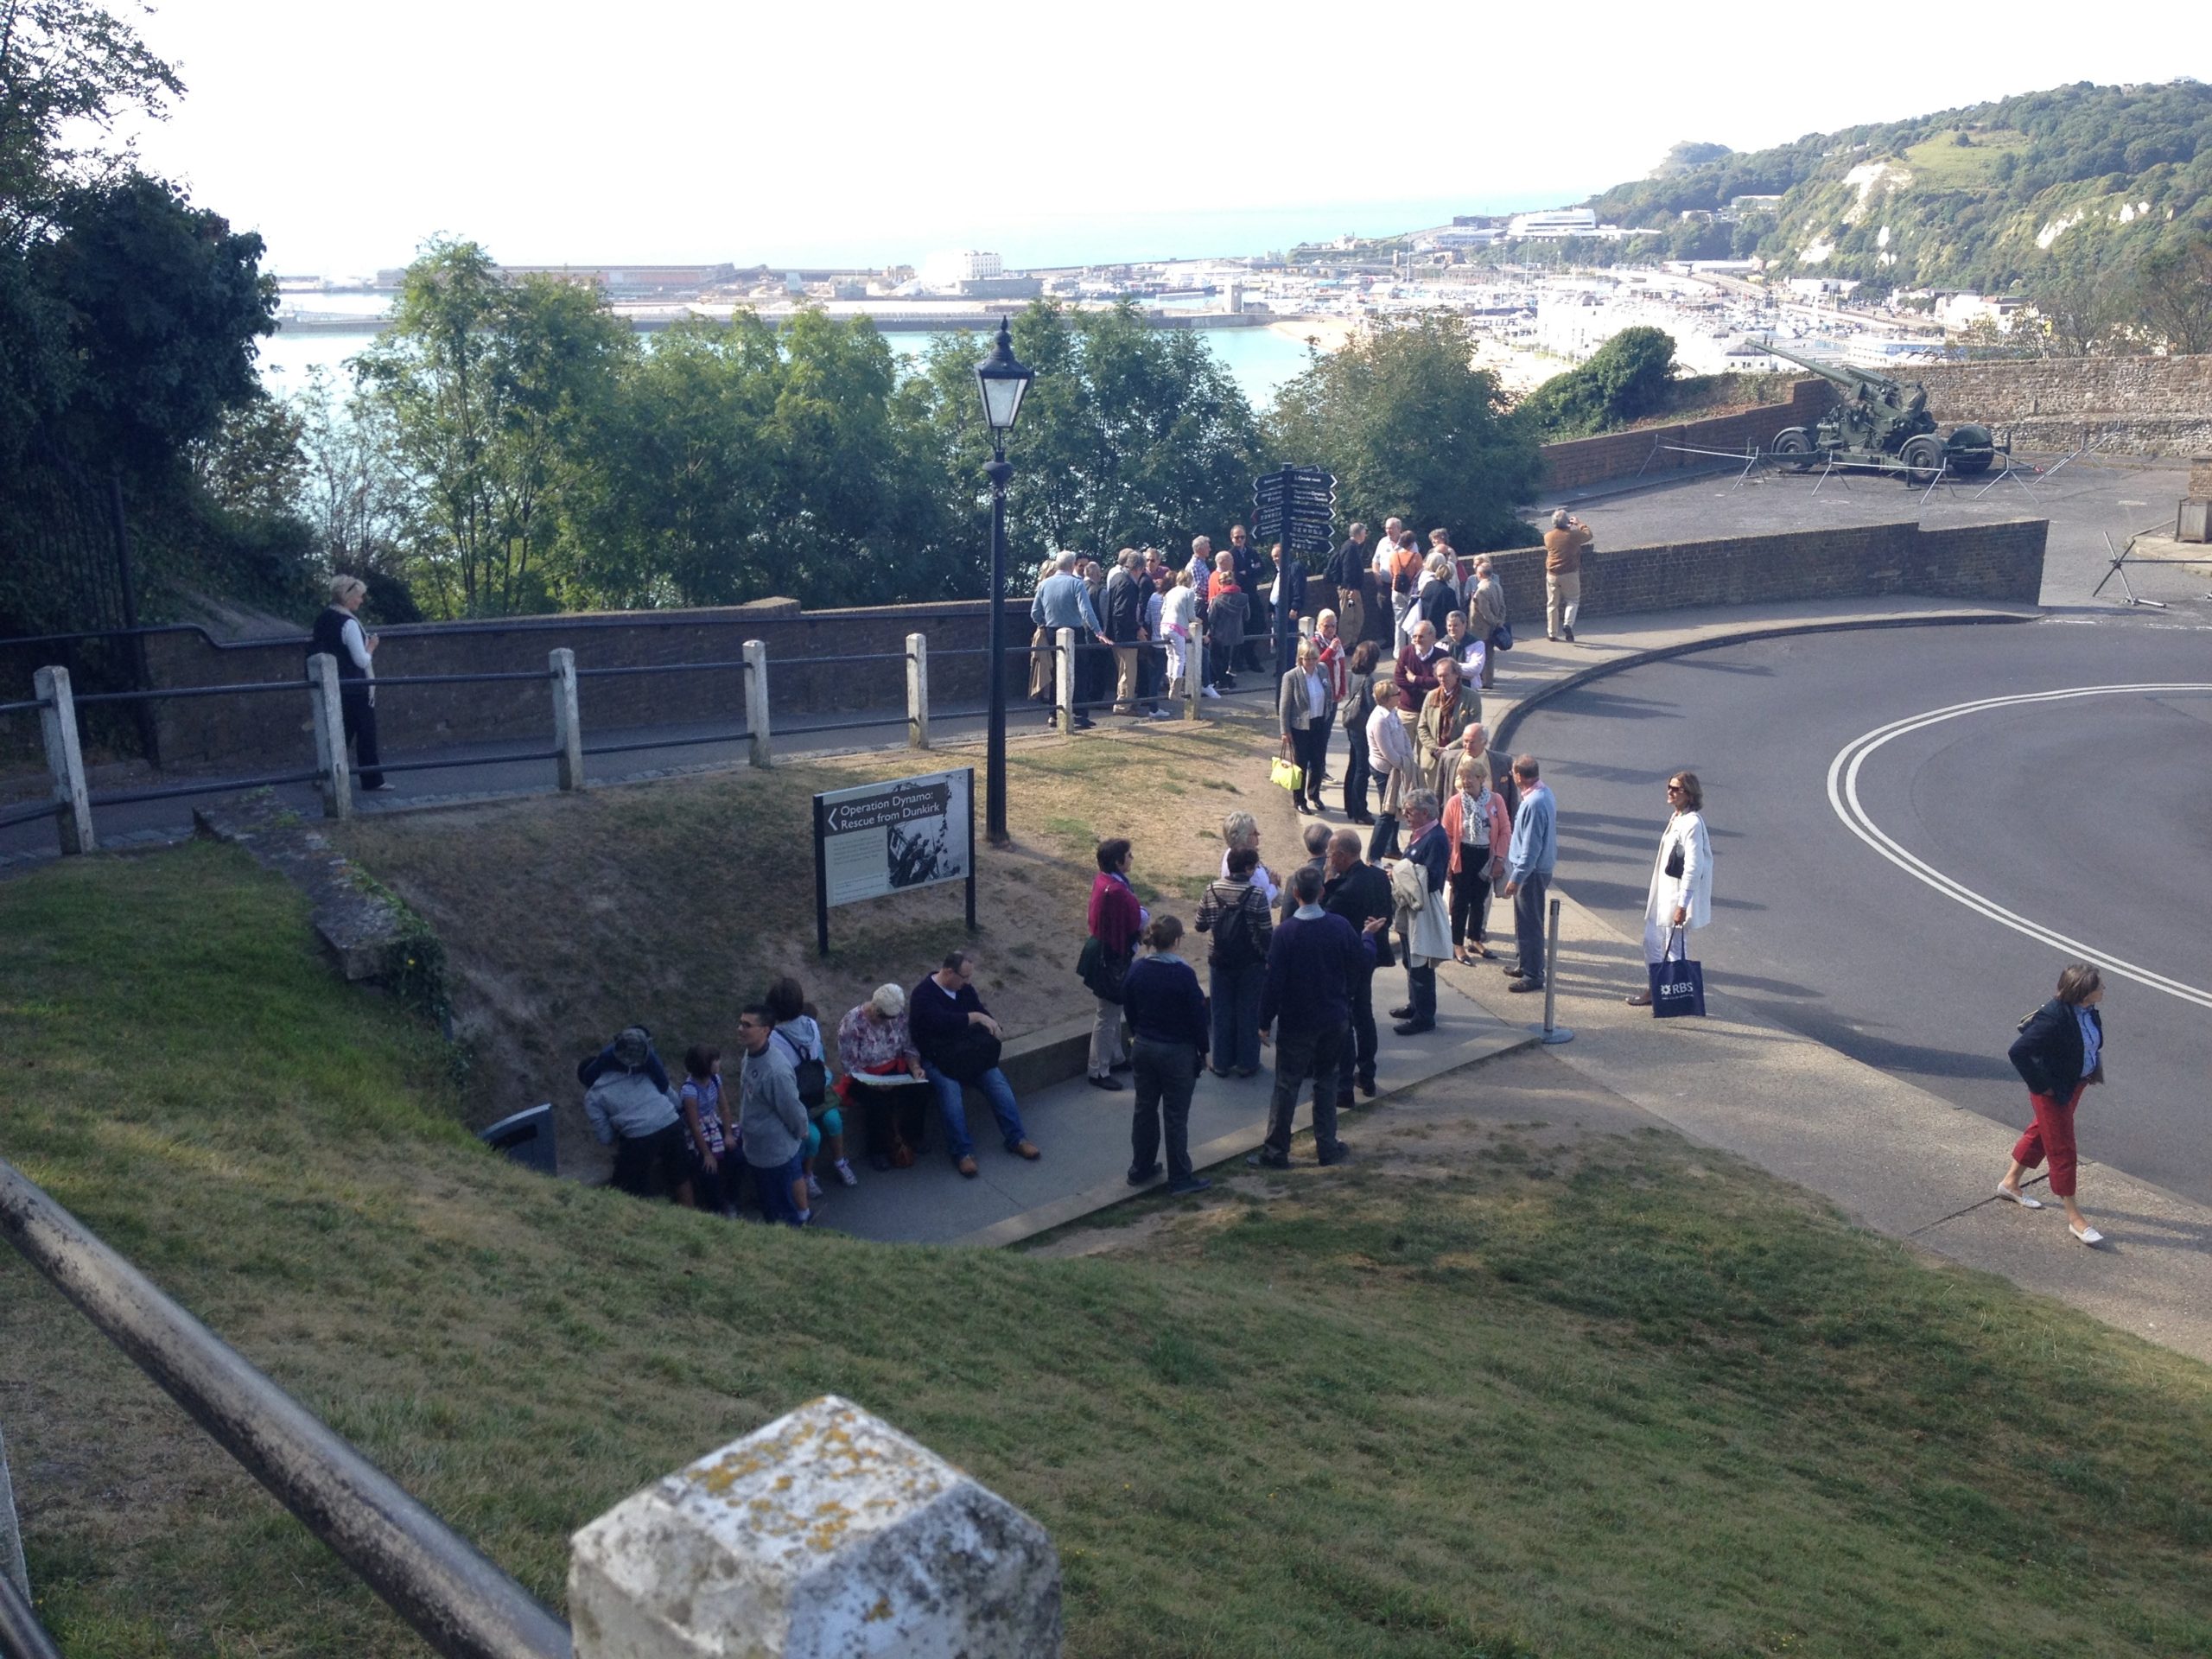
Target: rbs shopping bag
x,y
1677,983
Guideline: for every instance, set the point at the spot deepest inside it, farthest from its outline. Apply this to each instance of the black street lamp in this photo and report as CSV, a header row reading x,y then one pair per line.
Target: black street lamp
x,y
1002,381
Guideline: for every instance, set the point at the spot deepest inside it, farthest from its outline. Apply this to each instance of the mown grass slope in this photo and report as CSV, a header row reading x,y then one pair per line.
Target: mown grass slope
x,y
1634,1400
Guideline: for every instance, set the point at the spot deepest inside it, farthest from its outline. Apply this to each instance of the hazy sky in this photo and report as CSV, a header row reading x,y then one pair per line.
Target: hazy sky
x,y
866,133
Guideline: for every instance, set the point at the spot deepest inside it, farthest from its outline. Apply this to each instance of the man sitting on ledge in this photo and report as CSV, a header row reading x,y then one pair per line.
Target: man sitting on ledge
x,y
960,1044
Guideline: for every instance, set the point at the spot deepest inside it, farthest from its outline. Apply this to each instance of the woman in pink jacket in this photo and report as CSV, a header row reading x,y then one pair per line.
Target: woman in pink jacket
x,y
1475,823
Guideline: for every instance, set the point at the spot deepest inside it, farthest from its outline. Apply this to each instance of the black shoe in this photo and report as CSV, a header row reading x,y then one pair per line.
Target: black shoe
x,y
1361,818
1120,1065
878,1163
1569,633
1084,722
1265,1160
1051,718
1183,1189
1339,1153
1406,1013
1512,969
1110,1082
1415,1027
1147,1176
1520,985
1367,1086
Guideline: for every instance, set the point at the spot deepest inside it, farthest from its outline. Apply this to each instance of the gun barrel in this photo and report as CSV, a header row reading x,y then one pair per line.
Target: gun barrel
x,y
1843,374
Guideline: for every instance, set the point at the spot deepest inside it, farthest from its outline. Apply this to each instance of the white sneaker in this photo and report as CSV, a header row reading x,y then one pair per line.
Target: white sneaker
x,y
813,1187
2088,1234
1209,691
845,1173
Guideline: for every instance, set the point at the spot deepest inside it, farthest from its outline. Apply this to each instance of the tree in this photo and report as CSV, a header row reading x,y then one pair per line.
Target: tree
x,y
68,71
1624,380
1411,427
2079,306
162,302
485,384
1129,435
351,490
2173,285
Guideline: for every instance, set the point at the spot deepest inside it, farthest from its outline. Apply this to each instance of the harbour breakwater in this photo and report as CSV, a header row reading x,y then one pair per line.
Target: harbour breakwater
x,y
916,321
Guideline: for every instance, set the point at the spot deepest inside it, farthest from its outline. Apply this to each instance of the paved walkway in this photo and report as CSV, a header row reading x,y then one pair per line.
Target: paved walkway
x,y
1084,1133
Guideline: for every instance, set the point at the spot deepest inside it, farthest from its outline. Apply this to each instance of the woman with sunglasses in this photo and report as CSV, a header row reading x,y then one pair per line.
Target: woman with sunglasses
x,y
1680,896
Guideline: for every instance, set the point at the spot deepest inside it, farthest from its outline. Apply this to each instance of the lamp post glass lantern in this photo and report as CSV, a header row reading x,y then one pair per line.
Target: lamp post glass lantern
x,y
1001,381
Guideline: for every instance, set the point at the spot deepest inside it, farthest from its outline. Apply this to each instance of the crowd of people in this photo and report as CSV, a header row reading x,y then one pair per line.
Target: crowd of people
x,y
766,1144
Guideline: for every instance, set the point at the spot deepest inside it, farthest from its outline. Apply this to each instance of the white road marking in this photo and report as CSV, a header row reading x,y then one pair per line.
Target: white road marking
x,y
1843,795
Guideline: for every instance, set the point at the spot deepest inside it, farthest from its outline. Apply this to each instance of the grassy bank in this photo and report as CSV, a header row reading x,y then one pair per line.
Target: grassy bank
x,y
1493,1393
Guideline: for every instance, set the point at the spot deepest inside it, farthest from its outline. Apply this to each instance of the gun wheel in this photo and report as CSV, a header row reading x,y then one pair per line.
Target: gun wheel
x,y
1795,445
1923,457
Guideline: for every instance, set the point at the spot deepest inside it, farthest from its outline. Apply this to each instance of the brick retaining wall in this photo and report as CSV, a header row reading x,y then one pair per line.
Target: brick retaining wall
x,y
2002,561
1579,463
1991,561
2118,405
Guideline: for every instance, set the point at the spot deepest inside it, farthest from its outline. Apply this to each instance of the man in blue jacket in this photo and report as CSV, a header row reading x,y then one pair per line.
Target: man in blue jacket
x,y
1307,998
1063,600
1528,861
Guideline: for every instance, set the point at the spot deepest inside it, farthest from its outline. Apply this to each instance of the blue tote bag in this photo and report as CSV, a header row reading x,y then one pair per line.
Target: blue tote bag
x,y
1677,983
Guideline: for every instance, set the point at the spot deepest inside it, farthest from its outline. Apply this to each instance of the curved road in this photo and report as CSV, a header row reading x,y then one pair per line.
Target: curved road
x,y
1987,843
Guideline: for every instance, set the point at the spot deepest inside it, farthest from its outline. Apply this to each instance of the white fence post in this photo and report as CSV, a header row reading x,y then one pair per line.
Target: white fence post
x,y
756,701
827,1535
330,736
65,759
1063,671
1194,674
568,729
918,691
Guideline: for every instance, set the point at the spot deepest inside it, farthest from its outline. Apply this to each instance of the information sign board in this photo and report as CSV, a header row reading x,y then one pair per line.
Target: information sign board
x,y
877,839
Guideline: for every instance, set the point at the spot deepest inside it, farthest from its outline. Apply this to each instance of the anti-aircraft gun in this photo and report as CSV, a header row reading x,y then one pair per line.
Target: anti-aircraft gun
x,y
1884,423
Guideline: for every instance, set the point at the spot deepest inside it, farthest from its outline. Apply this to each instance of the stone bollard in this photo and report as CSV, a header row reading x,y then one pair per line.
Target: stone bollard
x,y
337,785
64,760
918,691
568,726
762,749
827,1535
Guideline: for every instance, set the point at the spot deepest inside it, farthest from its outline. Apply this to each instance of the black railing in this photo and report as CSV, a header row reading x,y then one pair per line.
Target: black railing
x,y
459,1601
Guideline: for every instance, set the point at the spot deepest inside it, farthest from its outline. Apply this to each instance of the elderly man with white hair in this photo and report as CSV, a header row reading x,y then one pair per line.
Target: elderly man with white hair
x,y
1064,601
1563,547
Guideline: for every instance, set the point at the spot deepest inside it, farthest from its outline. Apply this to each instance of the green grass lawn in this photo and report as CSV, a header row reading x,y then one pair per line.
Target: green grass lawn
x,y
1635,1401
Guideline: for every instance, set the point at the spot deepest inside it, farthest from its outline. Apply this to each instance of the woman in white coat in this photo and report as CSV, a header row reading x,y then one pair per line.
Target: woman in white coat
x,y
1681,876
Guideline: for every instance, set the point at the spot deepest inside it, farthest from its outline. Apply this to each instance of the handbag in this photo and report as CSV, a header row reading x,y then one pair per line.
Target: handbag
x,y
1103,970
1501,637
1674,862
1287,773
1677,983
969,1055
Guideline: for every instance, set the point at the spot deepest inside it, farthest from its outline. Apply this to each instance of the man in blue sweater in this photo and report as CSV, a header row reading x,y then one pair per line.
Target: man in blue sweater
x,y
1063,600
1307,998
1528,861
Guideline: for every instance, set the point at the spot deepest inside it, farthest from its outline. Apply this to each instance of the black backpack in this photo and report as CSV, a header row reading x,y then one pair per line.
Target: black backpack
x,y
811,1075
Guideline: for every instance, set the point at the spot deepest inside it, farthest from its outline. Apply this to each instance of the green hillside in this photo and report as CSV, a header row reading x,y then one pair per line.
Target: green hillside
x,y
2077,178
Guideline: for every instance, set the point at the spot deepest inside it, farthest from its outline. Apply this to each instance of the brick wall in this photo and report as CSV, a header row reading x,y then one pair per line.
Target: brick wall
x,y
1976,561
1580,463
2118,405
1995,561
270,727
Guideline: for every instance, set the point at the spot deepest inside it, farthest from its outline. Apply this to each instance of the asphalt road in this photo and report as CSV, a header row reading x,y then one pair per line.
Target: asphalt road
x,y
2088,819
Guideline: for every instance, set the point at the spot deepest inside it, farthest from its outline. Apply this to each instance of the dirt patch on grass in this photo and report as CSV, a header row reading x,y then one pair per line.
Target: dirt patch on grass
x,y
674,902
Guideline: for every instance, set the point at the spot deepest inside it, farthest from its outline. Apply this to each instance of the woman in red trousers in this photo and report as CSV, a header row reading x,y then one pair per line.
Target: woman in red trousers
x,y
2060,1052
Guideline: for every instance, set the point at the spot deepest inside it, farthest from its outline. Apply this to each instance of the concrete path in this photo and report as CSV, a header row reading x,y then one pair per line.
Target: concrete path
x,y
1084,1133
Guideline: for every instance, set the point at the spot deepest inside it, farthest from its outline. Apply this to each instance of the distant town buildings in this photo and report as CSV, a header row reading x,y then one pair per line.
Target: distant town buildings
x,y
1554,223
971,274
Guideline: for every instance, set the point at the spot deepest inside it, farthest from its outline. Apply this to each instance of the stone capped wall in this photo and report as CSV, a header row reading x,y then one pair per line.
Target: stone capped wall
x,y
1580,463
2116,406
808,652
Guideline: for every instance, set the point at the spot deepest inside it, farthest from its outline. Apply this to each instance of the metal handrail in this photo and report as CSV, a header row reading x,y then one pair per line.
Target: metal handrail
x,y
858,657
659,668
457,1600
21,1637
212,786
168,693
18,708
